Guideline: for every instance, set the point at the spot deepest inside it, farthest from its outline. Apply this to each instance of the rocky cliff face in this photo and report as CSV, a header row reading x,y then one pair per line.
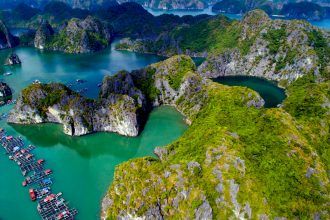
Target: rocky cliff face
x,y
5,93
53,103
235,161
124,102
81,36
122,106
171,4
279,50
56,103
43,35
13,59
7,40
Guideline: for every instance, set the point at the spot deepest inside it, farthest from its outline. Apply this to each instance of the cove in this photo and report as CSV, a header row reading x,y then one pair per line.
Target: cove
x,y
83,166
48,66
272,94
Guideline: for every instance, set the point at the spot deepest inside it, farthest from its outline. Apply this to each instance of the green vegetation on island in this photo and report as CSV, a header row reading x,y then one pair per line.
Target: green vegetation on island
x,y
235,160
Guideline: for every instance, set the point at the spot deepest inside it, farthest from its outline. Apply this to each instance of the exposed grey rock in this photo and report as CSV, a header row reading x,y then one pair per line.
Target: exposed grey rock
x,y
121,107
117,113
185,194
84,36
7,40
204,211
161,152
218,174
5,92
239,164
167,174
317,216
78,115
248,210
154,213
194,167
176,200
310,172
13,59
106,202
234,135
170,46
263,217
43,35
234,188
220,200
257,102
219,188
259,61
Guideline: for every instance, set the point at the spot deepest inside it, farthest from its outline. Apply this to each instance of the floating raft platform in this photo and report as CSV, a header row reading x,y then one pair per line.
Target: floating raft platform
x,y
50,206
36,177
54,207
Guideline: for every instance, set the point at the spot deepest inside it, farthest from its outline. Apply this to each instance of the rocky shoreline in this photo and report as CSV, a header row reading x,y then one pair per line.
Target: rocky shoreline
x,y
124,101
13,59
233,146
278,50
7,40
77,36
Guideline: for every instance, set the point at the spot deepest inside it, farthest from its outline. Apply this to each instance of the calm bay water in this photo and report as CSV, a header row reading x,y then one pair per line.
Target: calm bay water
x,y
54,66
83,166
272,94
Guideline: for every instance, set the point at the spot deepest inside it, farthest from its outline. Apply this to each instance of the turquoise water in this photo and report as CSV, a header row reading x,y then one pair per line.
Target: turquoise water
x,y
325,24
83,166
272,94
55,66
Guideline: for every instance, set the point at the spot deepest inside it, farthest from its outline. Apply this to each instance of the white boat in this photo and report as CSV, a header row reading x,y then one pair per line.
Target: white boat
x,y
36,81
7,74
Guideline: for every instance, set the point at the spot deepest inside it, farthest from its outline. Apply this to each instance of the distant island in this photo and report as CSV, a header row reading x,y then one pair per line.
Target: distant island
x,y
310,10
316,10
95,5
59,27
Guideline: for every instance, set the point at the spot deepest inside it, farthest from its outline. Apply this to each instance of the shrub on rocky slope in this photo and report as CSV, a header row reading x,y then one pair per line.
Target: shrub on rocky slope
x,y
279,50
235,161
77,36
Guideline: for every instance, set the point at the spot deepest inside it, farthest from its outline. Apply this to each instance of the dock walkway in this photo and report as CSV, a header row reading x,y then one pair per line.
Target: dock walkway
x,y
50,206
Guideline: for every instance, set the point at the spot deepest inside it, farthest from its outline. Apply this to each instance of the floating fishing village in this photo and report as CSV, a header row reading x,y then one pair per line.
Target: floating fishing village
x,y
50,206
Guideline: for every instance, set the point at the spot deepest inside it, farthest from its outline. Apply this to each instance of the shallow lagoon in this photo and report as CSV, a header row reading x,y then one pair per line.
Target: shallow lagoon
x,y
269,91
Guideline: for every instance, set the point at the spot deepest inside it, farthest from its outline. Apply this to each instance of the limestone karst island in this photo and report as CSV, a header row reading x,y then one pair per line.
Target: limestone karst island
x,y
161,110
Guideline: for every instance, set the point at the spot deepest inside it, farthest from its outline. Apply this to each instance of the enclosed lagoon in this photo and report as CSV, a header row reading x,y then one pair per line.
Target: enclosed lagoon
x,y
269,91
